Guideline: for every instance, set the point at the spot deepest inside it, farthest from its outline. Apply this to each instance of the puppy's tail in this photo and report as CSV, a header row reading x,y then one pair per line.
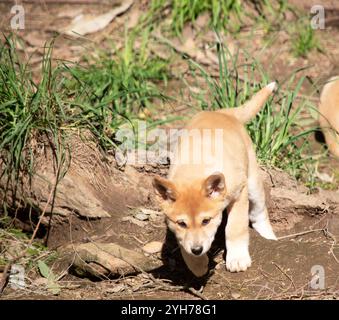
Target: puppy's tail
x,y
248,111
329,114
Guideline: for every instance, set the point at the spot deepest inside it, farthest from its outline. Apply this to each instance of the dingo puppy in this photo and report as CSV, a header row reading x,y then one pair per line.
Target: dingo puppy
x,y
196,192
329,114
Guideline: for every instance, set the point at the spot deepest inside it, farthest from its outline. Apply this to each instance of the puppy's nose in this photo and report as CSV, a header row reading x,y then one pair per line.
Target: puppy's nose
x,y
196,250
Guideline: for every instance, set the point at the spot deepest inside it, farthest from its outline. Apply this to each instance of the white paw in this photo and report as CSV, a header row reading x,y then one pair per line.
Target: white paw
x,y
264,228
238,260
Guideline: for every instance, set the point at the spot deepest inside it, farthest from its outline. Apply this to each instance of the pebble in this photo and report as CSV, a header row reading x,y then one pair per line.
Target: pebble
x,y
135,221
141,216
235,295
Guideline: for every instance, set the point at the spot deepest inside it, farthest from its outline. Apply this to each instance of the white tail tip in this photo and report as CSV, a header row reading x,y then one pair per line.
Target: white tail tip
x,y
272,86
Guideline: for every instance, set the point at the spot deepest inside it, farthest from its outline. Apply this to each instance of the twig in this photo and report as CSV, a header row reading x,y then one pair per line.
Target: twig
x,y
212,63
41,217
7,268
329,234
286,275
5,277
159,282
197,293
299,234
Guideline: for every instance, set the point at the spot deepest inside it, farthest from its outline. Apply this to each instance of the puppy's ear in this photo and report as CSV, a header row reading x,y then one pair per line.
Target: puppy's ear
x,y
214,186
165,188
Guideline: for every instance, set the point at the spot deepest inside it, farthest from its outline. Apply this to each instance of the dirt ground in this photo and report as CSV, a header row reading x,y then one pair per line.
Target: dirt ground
x,y
307,225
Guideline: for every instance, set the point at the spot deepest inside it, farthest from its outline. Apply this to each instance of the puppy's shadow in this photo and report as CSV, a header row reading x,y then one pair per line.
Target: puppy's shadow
x,y
174,268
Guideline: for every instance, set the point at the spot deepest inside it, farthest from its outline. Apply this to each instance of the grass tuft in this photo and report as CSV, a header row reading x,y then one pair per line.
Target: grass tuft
x,y
303,38
29,110
99,95
108,91
185,11
279,138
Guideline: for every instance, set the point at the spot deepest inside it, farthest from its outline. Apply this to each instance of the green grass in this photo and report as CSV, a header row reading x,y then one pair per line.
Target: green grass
x,y
189,10
112,90
29,111
228,16
185,11
14,243
99,94
303,38
269,15
279,138
223,15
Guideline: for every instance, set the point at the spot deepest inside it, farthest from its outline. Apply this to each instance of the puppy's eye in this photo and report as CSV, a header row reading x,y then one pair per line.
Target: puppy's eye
x,y
182,224
206,221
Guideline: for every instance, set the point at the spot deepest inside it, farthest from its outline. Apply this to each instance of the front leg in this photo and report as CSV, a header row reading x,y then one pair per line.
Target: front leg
x,y
237,234
197,264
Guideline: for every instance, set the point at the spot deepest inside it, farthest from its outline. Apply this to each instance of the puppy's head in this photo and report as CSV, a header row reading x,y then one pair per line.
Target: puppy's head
x,y
193,211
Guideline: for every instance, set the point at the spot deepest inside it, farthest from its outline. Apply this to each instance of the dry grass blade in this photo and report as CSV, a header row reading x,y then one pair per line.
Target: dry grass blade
x,y
293,235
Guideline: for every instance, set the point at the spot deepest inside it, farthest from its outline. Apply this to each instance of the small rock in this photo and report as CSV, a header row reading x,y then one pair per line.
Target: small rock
x,y
141,216
147,214
235,295
150,212
134,221
153,247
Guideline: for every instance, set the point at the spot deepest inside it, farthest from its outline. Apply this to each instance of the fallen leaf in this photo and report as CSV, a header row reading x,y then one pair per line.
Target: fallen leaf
x,y
116,289
189,48
85,24
45,271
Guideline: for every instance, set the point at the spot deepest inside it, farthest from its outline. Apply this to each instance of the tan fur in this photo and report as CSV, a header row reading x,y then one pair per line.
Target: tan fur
x,y
196,192
249,110
329,114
